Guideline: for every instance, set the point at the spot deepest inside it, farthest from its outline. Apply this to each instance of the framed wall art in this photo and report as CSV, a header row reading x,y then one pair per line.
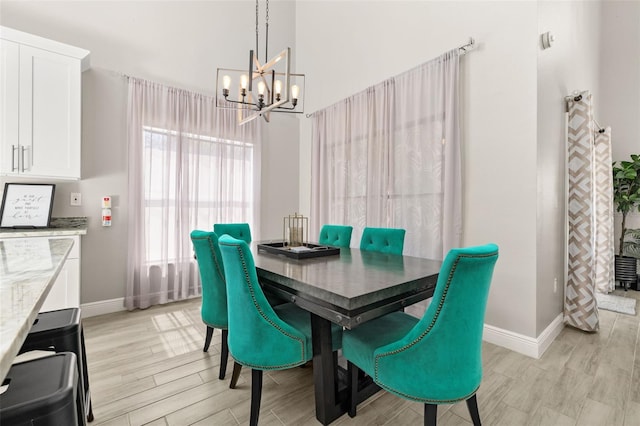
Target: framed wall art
x,y
26,205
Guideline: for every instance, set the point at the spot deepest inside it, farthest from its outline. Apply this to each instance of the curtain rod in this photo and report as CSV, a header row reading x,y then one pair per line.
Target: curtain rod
x,y
470,45
467,47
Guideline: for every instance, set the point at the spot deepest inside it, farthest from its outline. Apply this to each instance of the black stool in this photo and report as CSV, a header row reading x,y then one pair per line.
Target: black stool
x,y
42,392
62,331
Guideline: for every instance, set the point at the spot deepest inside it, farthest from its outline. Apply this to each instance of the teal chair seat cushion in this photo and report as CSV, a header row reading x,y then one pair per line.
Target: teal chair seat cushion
x,y
359,344
301,320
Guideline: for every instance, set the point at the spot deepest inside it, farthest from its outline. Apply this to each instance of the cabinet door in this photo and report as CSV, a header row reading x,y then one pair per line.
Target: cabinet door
x,y
50,101
9,81
65,292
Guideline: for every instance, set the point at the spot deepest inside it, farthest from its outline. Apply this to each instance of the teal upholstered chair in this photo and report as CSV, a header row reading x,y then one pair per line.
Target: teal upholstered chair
x,y
261,336
436,359
383,240
335,235
240,231
214,294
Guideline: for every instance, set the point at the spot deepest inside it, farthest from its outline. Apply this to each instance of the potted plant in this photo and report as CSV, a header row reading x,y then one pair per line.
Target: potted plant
x,y
626,195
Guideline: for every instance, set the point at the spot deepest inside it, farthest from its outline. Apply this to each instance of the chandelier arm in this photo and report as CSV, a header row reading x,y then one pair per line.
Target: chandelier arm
x,y
240,102
271,88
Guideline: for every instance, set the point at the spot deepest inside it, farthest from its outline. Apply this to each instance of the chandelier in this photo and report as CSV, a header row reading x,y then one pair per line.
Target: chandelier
x,y
263,88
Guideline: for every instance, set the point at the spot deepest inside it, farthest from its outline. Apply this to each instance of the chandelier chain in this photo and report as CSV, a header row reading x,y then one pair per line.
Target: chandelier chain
x,y
266,42
257,28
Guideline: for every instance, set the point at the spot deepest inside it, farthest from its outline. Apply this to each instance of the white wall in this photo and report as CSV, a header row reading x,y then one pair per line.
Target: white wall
x,y
572,63
178,43
620,76
620,84
364,43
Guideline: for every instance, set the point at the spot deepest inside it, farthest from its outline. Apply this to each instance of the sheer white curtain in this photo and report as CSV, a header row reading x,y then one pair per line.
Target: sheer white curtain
x,y
190,166
389,156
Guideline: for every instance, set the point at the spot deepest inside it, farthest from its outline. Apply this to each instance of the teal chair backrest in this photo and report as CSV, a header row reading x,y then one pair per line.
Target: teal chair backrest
x,y
383,240
214,290
441,356
258,338
335,235
240,231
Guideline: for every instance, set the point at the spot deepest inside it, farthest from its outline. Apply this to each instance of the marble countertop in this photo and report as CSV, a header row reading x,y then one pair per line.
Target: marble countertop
x,y
28,269
59,226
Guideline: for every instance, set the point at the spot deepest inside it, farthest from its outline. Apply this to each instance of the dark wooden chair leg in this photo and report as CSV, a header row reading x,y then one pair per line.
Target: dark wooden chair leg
x,y
352,378
90,415
256,394
472,405
430,414
207,340
235,375
224,355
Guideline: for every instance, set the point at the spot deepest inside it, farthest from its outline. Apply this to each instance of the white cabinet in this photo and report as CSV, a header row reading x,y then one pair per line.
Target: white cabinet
x,y
65,292
40,111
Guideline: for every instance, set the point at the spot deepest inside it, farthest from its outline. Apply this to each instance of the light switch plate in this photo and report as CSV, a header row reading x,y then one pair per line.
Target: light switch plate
x,y
76,199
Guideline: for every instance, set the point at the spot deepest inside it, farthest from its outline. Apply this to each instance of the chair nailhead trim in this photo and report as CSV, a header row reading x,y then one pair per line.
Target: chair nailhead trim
x,y
216,261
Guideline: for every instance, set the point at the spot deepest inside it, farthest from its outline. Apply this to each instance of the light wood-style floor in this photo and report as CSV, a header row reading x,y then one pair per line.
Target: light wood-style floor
x,y
147,368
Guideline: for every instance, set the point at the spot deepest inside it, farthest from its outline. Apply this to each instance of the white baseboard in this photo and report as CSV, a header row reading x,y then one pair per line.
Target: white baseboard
x,y
102,307
529,346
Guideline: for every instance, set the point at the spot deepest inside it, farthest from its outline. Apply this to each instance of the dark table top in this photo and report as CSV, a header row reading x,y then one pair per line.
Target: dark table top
x,y
351,288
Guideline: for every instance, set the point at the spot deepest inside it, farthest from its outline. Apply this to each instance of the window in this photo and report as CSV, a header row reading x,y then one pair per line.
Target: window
x,y
190,166
217,176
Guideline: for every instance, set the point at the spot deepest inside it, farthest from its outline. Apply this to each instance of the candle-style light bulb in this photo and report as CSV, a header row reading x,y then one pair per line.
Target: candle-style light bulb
x,y
295,91
243,86
261,87
226,83
278,87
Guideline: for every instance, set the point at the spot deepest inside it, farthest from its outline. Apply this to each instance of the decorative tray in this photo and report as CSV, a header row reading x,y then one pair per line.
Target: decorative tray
x,y
306,251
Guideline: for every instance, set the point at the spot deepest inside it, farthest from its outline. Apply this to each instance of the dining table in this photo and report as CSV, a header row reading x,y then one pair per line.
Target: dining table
x,y
348,288
28,269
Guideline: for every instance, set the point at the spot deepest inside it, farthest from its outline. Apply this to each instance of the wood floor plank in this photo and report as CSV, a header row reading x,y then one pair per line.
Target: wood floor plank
x,y
569,393
129,403
162,406
545,416
526,393
222,418
122,420
632,414
595,413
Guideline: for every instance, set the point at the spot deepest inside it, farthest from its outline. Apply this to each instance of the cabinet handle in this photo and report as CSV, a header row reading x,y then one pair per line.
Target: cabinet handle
x,y
23,149
13,158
